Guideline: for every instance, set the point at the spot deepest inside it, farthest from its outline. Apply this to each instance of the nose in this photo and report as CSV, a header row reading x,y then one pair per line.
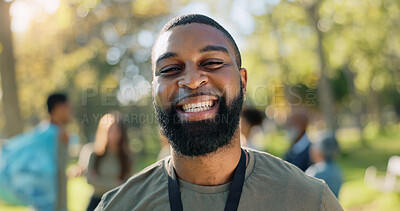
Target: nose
x,y
192,79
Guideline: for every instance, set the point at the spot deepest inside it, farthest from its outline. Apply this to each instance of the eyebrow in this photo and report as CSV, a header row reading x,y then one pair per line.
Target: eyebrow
x,y
166,56
209,48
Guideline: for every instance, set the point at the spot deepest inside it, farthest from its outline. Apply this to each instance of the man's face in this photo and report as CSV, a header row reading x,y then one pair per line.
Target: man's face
x,y
197,88
64,111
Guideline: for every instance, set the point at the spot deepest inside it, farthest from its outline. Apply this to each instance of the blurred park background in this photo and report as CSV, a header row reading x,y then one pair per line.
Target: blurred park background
x,y
339,59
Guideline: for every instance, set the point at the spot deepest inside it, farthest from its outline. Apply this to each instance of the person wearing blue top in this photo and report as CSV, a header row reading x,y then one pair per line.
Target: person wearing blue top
x,y
323,153
32,164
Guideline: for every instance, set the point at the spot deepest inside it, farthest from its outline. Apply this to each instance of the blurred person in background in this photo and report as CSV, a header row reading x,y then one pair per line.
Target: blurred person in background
x,y
298,153
32,164
110,164
80,167
250,123
60,112
323,153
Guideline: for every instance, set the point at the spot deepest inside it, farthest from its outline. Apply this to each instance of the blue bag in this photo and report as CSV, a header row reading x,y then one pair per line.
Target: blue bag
x,y
28,168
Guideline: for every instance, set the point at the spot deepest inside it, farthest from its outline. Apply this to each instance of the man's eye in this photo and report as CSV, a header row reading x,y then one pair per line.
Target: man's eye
x,y
170,71
213,64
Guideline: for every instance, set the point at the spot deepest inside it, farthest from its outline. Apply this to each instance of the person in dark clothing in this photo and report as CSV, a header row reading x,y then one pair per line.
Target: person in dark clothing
x,y
298,153
250,122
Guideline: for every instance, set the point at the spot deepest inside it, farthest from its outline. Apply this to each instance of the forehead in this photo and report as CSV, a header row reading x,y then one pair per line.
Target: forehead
x,y
189,37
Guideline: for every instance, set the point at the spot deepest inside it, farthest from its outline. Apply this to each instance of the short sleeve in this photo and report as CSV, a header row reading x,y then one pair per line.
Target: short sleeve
x,y
329,201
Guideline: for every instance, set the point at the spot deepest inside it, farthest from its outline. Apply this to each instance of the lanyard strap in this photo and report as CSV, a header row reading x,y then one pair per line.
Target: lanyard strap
x,y
235,190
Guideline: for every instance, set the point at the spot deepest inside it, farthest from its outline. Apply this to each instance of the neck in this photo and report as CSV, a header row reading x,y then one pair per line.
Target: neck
x,y
215,168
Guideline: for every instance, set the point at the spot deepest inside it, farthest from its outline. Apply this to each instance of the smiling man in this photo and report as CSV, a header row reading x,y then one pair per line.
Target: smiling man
x,y
198,89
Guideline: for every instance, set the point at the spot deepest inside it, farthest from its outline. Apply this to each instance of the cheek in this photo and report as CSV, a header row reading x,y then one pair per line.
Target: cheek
x,y
163,92
228,82
66,111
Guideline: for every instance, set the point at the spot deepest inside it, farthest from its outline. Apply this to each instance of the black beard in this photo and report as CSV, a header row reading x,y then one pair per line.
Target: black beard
x,y
201,137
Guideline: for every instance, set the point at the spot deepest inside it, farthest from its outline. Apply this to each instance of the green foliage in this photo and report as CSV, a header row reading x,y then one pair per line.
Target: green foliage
x,y
340,86
282,51
98,52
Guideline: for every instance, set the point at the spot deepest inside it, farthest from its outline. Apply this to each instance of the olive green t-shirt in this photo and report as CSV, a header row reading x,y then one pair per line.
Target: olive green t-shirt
x,y
270,184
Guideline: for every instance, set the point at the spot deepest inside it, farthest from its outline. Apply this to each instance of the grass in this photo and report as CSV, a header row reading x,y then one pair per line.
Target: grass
x,y
354,195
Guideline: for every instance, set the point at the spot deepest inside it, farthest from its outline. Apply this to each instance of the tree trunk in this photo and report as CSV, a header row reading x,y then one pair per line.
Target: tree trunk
x,y
325,96
356,100
13,124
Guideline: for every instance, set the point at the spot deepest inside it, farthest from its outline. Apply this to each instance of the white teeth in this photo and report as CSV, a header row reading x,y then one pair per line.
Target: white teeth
x,y
197,107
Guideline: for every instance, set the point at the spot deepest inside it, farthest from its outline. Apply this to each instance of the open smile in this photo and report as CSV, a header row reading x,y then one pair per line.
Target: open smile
x,y
198,108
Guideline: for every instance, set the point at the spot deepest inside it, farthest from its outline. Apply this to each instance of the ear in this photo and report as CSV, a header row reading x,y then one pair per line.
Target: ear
x,y
243,76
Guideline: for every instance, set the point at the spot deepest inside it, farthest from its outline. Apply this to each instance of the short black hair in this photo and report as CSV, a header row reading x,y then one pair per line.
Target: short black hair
x,y
202,19
55,99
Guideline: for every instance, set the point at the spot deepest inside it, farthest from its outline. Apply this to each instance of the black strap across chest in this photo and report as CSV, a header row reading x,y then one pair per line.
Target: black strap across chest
x,y
235,190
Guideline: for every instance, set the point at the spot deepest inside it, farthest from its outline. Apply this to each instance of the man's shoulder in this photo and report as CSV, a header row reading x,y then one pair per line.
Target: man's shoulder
x,y
275,176
289,174
139,189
